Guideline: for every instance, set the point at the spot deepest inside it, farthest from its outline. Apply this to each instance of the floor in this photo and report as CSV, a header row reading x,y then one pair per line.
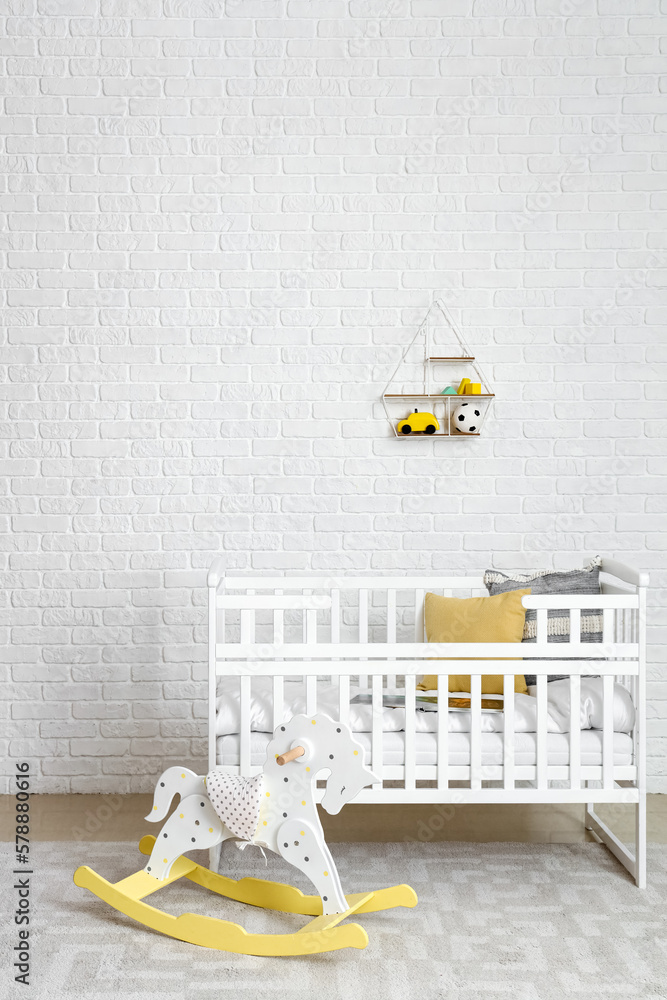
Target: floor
x,y
120,817
514,901
494,921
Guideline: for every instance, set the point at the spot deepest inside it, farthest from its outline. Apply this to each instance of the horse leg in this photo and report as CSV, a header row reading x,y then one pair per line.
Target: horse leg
x,y
304,847
194,825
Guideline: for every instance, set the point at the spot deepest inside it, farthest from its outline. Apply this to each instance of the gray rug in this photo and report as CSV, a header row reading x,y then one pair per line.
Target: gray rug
x,y
496,921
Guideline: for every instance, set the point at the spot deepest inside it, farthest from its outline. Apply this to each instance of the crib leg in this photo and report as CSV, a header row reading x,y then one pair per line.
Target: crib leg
x,y
588,809
634,863
640,842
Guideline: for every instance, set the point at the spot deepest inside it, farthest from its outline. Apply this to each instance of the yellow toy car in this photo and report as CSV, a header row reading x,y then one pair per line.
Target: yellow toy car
x,y
418,423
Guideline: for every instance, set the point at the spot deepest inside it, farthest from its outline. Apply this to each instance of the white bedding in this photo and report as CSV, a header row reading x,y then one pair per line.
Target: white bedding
x,y
393,719
393,749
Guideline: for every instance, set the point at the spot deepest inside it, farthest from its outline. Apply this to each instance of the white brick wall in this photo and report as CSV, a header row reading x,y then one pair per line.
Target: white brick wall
x,y
218,228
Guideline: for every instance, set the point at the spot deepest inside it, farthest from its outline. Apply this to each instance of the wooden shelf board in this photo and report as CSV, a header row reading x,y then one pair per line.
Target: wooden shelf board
x,y
438,395
430,437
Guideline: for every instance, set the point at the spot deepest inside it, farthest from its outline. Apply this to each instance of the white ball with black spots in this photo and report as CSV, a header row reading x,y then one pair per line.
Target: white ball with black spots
x,y
466,418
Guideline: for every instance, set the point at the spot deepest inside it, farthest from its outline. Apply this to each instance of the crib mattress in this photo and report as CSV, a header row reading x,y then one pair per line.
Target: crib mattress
x,y
260,716
426,749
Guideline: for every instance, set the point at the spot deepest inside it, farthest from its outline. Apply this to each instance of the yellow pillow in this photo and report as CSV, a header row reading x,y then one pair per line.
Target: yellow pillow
x,y
475,619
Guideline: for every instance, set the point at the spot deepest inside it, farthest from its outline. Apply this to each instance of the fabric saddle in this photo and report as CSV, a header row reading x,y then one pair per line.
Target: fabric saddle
x,y
236,800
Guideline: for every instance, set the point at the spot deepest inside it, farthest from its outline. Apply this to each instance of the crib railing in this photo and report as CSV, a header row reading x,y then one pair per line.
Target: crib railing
x,y
370,632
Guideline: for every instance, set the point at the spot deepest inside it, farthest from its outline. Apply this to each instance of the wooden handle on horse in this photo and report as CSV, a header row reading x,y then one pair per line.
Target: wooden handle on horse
x,y
285,758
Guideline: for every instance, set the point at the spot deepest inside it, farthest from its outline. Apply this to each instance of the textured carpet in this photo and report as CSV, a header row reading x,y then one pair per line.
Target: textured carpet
x,y
519,921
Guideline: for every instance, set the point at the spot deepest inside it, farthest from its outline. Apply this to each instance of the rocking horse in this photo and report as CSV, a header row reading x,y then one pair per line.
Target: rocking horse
x,y
275,810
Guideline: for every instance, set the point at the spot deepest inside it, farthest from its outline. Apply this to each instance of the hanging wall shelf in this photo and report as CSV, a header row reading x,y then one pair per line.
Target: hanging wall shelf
x,y
423,374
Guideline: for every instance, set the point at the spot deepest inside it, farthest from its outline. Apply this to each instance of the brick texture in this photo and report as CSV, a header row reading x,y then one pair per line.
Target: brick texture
x,y
218,226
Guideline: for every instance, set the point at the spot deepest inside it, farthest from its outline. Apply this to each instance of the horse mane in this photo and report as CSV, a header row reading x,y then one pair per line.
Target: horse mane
x,y
300,726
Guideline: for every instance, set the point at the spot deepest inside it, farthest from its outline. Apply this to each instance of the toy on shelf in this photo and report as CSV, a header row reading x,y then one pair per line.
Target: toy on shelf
x,y
437,341
468,388
418,423
276,810
466,418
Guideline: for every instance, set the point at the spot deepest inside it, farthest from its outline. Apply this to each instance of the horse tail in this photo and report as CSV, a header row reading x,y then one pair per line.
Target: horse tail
x,y
174,781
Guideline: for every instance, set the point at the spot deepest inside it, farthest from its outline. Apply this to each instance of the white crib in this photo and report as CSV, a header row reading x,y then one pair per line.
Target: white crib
x,y
369,631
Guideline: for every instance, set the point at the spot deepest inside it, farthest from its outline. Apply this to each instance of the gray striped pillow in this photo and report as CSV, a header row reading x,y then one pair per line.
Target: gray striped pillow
x,y
547,581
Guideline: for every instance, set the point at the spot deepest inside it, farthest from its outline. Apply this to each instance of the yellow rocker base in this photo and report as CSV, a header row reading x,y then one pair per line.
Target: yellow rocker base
x,y
321,934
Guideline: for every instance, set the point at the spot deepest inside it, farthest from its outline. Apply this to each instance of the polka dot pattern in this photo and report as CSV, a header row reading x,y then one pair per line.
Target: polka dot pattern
x,y
236,801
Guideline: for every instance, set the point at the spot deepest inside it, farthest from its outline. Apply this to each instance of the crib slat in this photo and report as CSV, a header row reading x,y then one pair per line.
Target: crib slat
x,y
443,731
419,637
363,630
311,681
335,615
247,619
410,732
541,736
278,623
608,732
508,731
216,632
575,731
575,624
334,625
476,731
309,633
541,625
247,635
609,630
344,699
304,622
391,631
244,739
376,729
278,700
278,682
311,626
311,694
419,616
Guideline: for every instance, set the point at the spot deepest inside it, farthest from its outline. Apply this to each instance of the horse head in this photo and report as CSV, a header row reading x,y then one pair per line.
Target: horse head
x,y
343,784
346,765
329,745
